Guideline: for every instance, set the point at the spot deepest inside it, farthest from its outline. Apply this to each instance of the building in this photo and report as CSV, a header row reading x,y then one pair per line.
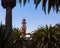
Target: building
x,y
23,31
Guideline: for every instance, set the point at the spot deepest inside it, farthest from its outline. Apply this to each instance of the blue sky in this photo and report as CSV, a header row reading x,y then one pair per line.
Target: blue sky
x,y
34,17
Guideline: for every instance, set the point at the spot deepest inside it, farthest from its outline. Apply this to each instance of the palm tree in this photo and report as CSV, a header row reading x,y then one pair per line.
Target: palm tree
x,y
8,5
57,28
46,37
38,36
8,40
51,3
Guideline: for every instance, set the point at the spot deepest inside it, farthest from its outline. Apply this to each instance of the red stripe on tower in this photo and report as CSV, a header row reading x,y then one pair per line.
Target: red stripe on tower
x,y
23,27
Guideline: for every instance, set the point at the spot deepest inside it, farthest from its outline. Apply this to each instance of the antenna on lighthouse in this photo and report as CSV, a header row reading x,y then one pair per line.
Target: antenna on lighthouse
x,y
23,31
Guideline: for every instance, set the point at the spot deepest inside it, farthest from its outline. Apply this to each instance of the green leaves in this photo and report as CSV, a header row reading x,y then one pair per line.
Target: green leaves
x,y
9,39
36,2
20,1
51,3
47,35
43,36
10,3
44,5
55,4
24,2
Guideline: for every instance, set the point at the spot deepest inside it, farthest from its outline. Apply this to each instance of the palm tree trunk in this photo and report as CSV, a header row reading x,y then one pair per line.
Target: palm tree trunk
x,y
8,19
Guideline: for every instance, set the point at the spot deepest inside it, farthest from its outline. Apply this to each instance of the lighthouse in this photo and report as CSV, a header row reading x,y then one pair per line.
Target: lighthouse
x,y
23,31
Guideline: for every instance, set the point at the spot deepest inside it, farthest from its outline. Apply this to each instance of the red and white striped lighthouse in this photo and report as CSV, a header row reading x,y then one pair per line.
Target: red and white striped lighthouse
x,y
23,27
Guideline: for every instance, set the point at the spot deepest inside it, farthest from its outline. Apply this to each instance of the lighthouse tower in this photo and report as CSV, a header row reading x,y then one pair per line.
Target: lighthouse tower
x,y
23,27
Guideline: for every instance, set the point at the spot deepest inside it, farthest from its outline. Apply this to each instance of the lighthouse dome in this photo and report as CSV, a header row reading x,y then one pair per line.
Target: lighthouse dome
x,y
24,20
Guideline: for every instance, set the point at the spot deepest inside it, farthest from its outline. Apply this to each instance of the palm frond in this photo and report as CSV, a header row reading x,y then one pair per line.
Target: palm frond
x,y
24,2
57,2
36,2
20,1
44,5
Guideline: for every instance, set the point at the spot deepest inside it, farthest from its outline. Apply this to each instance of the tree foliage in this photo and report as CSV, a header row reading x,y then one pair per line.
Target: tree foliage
x,y
47,36
55,4
9,39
